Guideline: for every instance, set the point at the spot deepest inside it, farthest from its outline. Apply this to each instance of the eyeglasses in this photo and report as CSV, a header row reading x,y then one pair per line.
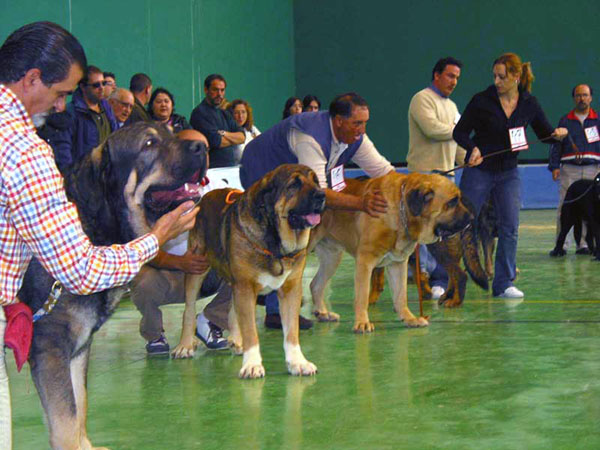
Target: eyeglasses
x,y
98,84
581,95
125,104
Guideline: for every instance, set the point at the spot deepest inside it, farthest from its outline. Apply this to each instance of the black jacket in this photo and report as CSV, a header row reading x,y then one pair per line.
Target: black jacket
x,y
485,117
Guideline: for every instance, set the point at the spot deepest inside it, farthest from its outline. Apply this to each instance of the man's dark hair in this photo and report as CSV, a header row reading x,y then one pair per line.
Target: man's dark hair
x,y
342,105
110,74
215,76
40,45
442,63
139,82
581,84
89,70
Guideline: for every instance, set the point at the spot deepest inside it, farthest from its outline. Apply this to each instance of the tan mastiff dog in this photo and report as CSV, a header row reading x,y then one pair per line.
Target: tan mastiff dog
x,y
421,209
257,240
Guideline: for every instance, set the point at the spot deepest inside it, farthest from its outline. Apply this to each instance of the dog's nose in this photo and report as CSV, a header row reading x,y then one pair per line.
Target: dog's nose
x,y
197,147
319,197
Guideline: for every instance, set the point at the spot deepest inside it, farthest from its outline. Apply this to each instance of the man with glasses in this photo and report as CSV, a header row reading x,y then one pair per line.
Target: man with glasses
x,y
92,120
578,157
122,103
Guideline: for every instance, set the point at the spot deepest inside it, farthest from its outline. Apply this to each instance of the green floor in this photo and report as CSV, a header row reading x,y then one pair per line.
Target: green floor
x,y
490,375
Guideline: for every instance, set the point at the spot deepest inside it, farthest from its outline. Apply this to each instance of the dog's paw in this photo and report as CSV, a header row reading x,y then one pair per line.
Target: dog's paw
x,y
301,368
183,351
236,347
363,327
326,316
416,322
453,302
252,370
557,252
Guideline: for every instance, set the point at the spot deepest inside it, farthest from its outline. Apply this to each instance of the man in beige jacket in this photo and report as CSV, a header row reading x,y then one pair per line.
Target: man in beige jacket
x,y
431,120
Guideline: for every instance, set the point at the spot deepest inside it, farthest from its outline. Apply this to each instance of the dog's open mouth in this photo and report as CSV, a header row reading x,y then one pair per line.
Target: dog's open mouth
x,y
444,232
300,221
165,198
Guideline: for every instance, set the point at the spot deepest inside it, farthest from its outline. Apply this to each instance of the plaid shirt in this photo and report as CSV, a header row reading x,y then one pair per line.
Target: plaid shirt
x,y
36,219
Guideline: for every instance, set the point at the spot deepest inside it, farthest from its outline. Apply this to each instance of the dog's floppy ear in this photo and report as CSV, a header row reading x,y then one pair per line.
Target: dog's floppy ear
x,y
417,199
264,201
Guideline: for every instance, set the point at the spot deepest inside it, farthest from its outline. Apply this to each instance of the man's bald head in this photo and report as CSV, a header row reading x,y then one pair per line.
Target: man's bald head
x,y
121,101
192,135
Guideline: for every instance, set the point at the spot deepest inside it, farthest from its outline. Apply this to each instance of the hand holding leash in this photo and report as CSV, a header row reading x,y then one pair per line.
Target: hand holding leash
x,y
558,133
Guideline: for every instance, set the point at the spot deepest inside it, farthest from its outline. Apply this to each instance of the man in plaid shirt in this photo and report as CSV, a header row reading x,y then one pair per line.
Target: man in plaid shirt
x,y
40,64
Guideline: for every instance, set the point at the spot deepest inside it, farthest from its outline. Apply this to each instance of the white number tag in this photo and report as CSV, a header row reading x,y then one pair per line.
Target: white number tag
x,y
518,139
591,134
337,178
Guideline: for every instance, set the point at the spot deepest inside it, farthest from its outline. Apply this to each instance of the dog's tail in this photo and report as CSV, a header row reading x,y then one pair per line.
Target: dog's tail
x,y
471,258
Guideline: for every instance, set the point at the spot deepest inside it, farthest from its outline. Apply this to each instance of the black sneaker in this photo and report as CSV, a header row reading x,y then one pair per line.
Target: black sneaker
x,y
158,346
210,334
274,321
583,251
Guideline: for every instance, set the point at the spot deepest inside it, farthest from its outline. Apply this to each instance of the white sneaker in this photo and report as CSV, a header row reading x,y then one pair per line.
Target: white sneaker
x,y
437,292
511,292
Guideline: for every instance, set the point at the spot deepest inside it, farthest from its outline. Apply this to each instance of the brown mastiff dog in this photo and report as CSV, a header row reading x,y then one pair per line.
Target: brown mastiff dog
x,y
421,209
258,242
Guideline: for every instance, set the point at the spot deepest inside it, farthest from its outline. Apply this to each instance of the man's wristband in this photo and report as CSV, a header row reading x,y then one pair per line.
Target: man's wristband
x,y
221,132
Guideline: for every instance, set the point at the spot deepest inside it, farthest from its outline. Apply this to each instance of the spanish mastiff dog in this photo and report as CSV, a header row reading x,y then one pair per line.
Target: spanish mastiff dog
x,y
257,242
421,209
117,190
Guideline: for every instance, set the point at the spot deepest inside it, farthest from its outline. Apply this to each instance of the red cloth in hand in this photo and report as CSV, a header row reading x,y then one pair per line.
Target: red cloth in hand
x,y
19,331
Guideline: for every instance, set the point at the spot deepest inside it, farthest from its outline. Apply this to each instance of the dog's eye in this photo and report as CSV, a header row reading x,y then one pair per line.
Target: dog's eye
x,y
150,143
296,183
452,203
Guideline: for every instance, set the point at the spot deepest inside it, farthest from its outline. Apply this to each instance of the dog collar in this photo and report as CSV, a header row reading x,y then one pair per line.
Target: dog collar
x,y
403,216
50,303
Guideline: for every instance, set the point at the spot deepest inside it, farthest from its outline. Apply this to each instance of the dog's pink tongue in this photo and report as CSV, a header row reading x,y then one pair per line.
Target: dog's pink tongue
x,y
188,190
313,219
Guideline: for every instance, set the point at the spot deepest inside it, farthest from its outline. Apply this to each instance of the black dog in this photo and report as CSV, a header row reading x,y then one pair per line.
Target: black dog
x,y
117,190
581,205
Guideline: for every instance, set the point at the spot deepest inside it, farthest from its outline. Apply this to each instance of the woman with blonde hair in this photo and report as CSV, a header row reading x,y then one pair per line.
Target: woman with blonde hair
x,y
493,121
242,114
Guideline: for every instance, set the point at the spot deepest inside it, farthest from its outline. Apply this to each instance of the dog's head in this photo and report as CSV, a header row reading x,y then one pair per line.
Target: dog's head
x,y
288,202
435,207
141,172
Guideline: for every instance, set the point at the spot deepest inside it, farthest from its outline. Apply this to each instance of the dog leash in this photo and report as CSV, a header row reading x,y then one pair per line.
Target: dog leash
x,y
489,155
418,280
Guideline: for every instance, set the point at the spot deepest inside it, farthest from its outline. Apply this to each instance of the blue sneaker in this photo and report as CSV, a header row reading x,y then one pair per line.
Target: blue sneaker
x,y
210,334
158,346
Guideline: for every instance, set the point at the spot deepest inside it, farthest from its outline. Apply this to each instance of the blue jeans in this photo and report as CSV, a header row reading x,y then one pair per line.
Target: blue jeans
x,y
505,186
272,303
437,274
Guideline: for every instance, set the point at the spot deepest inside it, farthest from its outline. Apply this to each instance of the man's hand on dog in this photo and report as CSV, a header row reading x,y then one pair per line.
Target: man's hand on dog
x,y
175,222
192,263
374,203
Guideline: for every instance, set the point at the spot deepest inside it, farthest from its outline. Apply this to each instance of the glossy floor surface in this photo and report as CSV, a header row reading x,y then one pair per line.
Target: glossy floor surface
x,y
492,374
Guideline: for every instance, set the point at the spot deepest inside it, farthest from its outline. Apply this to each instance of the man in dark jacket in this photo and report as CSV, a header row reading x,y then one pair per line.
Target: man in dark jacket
x,y
577,158
223,133
92,120
140,86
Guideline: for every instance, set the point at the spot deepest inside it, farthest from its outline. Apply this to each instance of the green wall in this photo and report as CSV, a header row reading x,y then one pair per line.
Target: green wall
x,y
179,42
271,49
386,50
